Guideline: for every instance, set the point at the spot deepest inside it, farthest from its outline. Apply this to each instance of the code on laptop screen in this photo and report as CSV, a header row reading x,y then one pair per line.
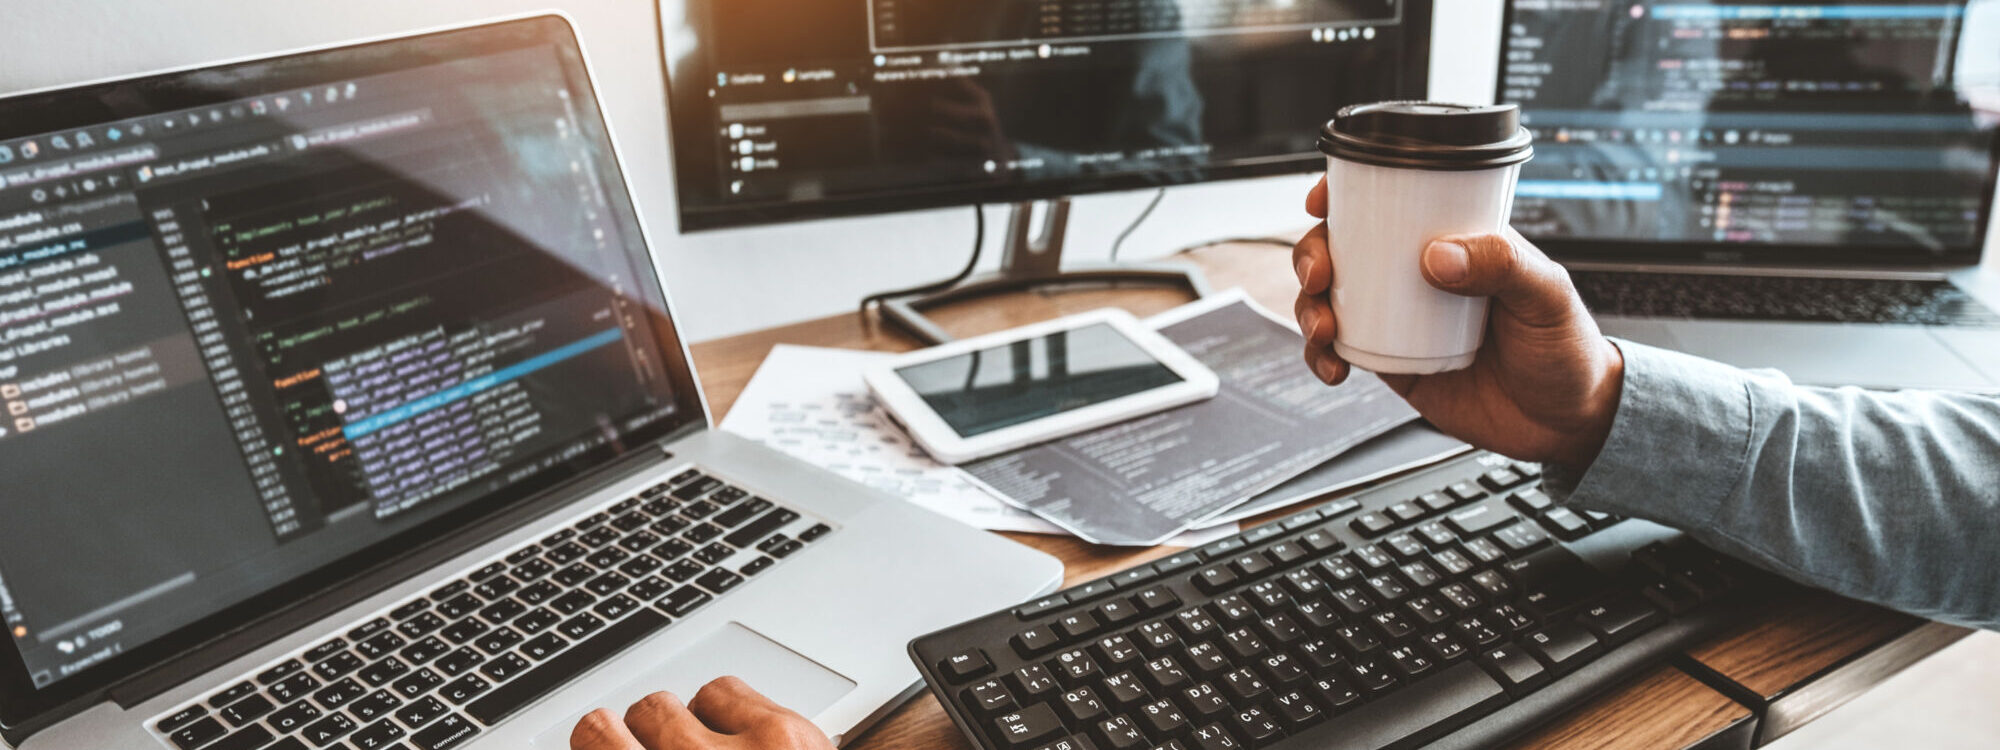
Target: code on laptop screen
x,y
242,340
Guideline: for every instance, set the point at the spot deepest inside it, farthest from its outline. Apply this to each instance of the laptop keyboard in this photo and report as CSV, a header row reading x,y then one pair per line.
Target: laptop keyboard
x,y
1381,621
1825,300
431,672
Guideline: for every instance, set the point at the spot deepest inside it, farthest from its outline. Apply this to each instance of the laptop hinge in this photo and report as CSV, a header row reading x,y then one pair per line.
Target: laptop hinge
x,y
226,647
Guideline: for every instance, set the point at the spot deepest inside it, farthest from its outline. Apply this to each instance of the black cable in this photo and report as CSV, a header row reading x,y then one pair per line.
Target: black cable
x,y
1134,226
978,249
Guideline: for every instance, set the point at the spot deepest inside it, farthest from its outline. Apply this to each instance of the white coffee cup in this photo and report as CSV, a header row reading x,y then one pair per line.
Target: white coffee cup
x,y
1399,175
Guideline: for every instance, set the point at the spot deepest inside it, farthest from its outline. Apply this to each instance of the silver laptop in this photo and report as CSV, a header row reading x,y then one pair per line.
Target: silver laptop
x,y
343,408
1807,190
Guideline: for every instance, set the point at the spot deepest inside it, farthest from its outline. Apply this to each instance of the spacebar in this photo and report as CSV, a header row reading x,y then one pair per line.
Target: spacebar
x,y
1411,715
557,672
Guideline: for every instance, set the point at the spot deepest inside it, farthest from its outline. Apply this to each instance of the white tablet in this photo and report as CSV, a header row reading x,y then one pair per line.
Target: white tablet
x,y
991,394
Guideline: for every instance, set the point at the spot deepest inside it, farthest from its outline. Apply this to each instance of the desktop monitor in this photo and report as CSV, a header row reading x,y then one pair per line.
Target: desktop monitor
x,y
785,110
1825,132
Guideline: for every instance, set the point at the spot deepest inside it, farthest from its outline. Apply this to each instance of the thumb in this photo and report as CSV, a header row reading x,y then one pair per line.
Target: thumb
x,y
1505,267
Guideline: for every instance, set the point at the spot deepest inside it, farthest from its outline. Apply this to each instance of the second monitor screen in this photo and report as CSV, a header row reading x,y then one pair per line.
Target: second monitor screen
x,y
784,109
1824,124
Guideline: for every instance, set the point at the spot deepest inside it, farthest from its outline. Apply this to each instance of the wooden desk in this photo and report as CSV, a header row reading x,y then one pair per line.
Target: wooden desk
x,y
1777,654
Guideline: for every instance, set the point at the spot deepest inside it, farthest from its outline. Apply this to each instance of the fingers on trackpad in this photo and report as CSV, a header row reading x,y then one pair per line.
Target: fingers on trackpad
x,y
788,678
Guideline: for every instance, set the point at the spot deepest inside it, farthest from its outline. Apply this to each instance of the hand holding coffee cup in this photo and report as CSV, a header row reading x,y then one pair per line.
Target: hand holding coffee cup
x,y
1543,385
1400,174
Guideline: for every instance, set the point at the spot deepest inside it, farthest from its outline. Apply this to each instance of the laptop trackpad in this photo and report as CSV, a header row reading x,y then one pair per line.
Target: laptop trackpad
x,y
794,681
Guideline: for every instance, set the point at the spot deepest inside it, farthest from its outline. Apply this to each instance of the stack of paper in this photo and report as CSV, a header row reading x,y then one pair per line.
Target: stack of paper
x,y
1263,445
811,403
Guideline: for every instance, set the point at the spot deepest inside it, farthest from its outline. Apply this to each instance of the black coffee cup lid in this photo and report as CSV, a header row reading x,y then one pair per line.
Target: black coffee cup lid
x,y
1428,135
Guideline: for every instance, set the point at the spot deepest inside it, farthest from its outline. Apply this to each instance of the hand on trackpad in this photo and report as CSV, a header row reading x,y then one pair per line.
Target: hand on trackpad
x,y
789,679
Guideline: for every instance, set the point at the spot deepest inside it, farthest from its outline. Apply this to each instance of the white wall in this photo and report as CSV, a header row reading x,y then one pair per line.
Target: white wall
x,y
723,282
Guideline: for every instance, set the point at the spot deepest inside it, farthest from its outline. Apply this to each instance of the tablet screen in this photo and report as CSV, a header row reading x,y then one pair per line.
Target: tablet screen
x,y
989,389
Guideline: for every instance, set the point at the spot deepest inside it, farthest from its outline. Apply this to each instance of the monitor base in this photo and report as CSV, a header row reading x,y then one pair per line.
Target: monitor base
x,y
907,312
1033,259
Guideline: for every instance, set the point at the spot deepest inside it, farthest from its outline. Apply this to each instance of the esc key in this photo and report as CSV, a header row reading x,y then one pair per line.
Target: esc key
x,y
965,665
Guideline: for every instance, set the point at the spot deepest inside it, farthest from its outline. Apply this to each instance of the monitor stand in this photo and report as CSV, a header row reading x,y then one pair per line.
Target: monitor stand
x,y
1034,259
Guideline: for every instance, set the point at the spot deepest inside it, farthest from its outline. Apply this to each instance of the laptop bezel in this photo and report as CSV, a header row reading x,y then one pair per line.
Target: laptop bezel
x,y
25,709
1766,255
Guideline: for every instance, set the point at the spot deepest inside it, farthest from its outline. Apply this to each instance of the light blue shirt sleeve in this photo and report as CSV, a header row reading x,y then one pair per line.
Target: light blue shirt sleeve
x,y
1892,498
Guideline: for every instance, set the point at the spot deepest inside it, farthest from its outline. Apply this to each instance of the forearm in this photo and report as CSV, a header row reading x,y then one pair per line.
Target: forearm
x,y
1888,497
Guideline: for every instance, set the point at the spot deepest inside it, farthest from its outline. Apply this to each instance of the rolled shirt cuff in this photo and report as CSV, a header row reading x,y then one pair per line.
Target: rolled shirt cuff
x,y
1679,442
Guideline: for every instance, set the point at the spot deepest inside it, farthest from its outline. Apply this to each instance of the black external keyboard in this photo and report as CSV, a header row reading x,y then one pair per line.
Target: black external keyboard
x,y
1458,604
1825,300
431,672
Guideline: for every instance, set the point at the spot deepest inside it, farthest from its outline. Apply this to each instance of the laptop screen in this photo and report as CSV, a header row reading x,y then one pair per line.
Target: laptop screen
x,y
258,320
1751,127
